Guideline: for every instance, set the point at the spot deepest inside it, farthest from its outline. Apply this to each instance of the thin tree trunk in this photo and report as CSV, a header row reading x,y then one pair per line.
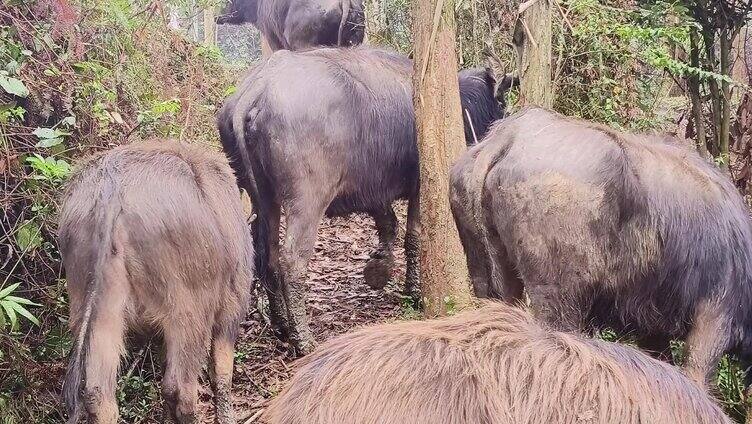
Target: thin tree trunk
x,y
375,25
477,44
693,85
532,40
443,269
714,144
210,27
725,98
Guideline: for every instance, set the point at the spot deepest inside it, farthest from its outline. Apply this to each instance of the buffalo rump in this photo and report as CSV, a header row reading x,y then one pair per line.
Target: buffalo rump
x,y
300,24
603,228
153,239
494,365
326,132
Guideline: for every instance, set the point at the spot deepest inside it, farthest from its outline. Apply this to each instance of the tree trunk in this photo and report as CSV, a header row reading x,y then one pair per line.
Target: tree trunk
x,y
693,85
210,27
723,138
375,22
443,269
714,144
532,41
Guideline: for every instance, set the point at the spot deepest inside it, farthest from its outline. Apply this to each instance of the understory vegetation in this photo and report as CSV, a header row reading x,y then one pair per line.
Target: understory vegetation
x,y
78,77
81,76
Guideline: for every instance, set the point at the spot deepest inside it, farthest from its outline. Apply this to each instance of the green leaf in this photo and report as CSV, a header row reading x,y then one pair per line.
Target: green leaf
x,y
49,137
45,133
49,142
8,290
24,313
11,314
21,301
29,236
2,320
13,86
12,67
70,121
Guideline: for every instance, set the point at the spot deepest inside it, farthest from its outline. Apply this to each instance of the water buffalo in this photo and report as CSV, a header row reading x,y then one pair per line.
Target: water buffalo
x,y
154,239
326,132
479,106
604,228
494,365
300,24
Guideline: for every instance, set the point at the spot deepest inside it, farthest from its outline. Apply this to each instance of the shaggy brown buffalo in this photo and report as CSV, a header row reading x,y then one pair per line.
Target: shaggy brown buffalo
x,y
327,132
495,365
603,228
153,238
300,24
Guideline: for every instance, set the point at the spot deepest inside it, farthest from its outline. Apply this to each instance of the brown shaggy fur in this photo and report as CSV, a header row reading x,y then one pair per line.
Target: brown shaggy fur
x,y
492,365
608,229
153,237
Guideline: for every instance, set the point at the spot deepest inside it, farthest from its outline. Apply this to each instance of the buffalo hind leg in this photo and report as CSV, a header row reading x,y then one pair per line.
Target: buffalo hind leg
x,y
476,254
186,343
302,226
103,361
271,276
412,249
106,344
378,271
707,341
222,356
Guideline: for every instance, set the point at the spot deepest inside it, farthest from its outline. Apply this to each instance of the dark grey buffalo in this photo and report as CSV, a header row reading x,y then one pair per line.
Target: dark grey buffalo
x,y
300,24
603,228
479,105
326,132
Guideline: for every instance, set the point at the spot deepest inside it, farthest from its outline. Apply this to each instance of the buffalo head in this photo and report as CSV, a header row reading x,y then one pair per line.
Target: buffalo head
x,y
239,12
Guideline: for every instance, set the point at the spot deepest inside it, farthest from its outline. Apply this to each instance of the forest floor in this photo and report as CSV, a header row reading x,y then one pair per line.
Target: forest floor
x,y
338,301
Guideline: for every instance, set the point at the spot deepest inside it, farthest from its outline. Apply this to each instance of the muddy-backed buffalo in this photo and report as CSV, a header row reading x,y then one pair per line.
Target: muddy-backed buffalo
x,y
154,239
326,132
495,365
603,228
300,24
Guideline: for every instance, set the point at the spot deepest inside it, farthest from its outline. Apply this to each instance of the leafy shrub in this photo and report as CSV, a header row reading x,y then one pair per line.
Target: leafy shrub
x,y
76,76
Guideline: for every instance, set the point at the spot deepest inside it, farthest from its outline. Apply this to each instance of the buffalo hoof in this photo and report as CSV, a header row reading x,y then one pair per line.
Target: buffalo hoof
x,y
378,272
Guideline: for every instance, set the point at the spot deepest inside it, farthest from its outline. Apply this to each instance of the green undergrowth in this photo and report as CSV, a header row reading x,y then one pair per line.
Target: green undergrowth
x,y
76,77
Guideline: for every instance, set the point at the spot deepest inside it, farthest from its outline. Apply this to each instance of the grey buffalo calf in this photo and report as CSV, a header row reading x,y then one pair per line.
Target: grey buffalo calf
x,y
603,228
328,132
495,365
301,24
153,238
